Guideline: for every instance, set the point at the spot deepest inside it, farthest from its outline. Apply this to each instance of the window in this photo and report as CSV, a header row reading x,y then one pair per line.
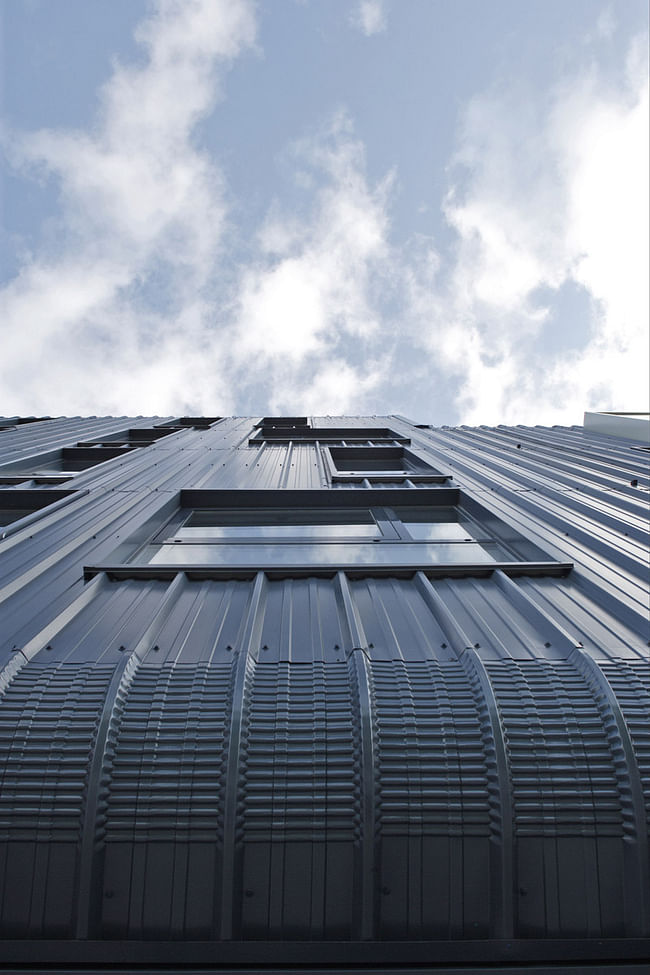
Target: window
x,y
196,422
135,437
56,466
253,524
284,421
375,530
64,463
330,435
359,463
326,535
18,504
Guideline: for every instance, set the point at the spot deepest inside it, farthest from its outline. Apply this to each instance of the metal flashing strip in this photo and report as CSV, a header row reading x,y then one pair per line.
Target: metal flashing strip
x,y
353,571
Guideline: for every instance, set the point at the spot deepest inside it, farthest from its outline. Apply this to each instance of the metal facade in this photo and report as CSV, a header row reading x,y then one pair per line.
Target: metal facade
x,y
302,762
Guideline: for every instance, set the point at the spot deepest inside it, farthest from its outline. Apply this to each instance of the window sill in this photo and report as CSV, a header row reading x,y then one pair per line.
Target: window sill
x,y
152,571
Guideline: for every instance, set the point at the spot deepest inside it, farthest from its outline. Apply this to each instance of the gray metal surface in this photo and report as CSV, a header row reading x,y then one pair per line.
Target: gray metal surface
x,y
328,757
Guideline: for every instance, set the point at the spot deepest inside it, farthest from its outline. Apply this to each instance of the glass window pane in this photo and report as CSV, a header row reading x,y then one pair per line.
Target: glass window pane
x,y
434,531
422,513
344,554
279,516
249,523
218,532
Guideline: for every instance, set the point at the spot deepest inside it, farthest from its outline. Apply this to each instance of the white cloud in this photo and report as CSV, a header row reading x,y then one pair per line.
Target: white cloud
x,y
310,291
541,198
606,24
131,193
369,16
134,311
336,388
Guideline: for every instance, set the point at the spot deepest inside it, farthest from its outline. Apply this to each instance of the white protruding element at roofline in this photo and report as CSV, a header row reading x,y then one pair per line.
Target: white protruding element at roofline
x,y
632,426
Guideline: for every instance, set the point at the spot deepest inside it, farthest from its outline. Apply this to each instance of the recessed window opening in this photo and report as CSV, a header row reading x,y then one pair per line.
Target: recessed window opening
x,y
410,533
65,462
18,504
378,460
130,439
136,437
197,422
437,529
378,463
282,422
329,435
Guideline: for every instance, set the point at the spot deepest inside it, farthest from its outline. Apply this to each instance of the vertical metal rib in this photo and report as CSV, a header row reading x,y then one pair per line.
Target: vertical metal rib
x,y
501,870
358,663
456,637
520,600
20,657
630,788
107,731
247,655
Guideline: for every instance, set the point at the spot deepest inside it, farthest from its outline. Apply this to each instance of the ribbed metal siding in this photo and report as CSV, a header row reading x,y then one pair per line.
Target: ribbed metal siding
x,y
330,758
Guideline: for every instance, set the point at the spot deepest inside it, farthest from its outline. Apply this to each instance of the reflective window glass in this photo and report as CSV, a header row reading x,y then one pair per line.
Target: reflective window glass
x,y
280,523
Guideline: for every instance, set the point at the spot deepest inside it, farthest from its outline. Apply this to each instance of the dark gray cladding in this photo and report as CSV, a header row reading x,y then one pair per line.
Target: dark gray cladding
x,y
255,694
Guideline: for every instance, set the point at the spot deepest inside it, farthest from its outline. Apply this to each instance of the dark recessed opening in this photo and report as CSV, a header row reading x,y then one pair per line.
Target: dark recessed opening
x,y
378,460
367,435
15,505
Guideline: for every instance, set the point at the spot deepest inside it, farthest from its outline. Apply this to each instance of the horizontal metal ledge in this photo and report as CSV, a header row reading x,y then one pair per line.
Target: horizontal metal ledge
x,y
316,497
479,569
266,954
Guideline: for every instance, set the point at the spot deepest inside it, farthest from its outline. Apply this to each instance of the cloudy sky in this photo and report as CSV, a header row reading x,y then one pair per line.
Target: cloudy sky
x,y
425,207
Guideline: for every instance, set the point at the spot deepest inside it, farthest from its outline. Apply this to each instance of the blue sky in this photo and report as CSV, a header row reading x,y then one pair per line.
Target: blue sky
x,y
325,206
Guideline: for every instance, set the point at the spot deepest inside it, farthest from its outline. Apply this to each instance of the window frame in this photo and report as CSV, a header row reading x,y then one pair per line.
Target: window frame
x,y
384,436
134,555
427,474
34,502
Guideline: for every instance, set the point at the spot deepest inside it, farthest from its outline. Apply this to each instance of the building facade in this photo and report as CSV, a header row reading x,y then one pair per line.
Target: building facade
x,y
323,691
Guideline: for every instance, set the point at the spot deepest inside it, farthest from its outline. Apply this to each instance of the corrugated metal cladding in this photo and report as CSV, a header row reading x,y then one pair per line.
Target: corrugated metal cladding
x,y
425,765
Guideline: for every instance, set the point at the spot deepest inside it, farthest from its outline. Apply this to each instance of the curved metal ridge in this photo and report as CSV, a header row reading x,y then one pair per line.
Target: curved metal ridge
x,y
247,654
631,790
522,601
455,634
358,665
107,733
502,879
359,671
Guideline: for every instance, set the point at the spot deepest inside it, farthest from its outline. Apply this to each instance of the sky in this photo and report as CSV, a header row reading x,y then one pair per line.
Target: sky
x,y
227,207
